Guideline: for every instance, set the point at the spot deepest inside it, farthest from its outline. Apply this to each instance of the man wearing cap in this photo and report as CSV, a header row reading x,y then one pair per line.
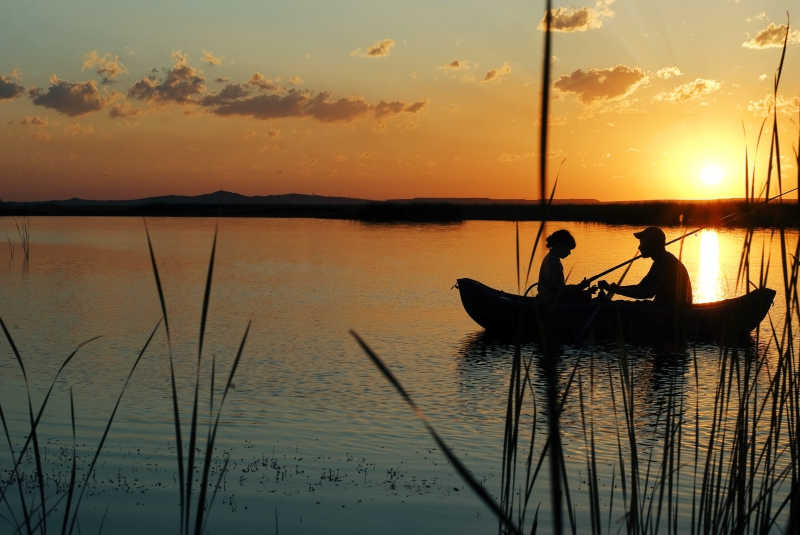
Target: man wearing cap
x,y
667,281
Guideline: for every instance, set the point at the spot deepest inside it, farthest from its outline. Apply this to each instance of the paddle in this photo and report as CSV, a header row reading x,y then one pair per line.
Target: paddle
x,y
625,263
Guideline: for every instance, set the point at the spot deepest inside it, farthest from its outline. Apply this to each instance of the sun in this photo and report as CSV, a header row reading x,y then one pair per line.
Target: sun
x,y
712,174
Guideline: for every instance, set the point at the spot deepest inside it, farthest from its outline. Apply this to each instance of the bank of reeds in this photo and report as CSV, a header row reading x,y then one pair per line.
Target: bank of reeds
x,y
36,504
741,469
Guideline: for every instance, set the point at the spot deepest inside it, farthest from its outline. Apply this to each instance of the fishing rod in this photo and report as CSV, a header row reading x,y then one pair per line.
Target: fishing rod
x,y
625,263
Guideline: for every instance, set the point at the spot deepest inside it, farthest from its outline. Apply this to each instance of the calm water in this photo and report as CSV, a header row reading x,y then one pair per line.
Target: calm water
x,y
318,441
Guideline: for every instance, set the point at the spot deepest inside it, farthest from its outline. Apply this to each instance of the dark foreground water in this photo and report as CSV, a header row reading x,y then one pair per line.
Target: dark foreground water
x,y
317,440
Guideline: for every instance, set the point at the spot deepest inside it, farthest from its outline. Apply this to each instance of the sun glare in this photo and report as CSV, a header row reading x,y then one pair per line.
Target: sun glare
x,y
712,174
708,285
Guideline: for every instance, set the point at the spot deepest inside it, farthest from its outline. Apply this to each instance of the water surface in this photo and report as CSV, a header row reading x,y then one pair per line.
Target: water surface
x,y
317,440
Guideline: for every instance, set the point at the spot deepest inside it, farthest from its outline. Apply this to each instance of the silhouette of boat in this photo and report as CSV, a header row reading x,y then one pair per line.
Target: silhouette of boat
x,y
512,316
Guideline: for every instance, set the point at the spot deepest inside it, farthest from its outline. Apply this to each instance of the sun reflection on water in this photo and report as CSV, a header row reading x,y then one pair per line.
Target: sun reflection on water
x,y
708,286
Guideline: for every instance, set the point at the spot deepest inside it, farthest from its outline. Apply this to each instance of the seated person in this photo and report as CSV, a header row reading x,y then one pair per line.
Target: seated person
x,y
667,282
552,285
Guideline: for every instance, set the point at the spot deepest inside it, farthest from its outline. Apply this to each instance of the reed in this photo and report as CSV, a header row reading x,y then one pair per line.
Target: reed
x,y
31,516
24,234
194,516
39,512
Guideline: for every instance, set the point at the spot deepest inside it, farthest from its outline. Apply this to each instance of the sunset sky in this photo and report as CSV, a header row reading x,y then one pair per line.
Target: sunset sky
x,y
112,100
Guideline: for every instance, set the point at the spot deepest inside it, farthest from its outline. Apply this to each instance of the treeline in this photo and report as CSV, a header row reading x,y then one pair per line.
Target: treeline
x,y
690,213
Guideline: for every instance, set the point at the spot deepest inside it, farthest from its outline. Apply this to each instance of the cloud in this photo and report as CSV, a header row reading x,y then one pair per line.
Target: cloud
x,y
227,94
211,59
763,106
107,66
666,73
297,103
602,84
457,65
222,79
33,120
762,77
296,80
121,111
9,88
380,49
758,16
578,19
182,83
70,98
498,73
416,106
690,90
261,82
120,107
383,109
772,37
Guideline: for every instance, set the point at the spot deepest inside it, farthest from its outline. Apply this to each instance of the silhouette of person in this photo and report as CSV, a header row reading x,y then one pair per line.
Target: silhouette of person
x,y
552,285
667,281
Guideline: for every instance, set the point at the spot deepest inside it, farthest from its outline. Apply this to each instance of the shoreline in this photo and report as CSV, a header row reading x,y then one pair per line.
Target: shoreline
x,y
667,213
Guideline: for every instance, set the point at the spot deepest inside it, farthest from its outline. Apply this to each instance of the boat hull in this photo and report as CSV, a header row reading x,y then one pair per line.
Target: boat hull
x,y
525,318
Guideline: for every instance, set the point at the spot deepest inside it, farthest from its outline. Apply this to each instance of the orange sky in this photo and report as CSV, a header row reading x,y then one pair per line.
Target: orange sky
x,y
102,101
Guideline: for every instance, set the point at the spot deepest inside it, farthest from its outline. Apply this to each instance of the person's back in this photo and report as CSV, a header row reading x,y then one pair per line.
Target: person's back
x,y
667,282
670,281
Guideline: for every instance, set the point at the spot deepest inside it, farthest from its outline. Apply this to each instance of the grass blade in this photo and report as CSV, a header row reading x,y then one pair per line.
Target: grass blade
x,y
212,435
193,427
462,470
108,426
176,416
71,488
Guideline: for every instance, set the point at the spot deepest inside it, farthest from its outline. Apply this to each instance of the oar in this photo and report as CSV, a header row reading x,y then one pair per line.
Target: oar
x,y
695,231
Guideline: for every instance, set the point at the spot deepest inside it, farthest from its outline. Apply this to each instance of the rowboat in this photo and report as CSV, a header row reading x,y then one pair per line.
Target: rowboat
x,y
508,315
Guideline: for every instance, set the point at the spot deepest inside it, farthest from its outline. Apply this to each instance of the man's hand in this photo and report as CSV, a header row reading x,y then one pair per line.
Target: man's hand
x,y
606,287
583,284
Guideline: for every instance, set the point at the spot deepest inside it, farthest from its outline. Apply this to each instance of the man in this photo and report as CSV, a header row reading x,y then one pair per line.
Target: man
x,y
667,281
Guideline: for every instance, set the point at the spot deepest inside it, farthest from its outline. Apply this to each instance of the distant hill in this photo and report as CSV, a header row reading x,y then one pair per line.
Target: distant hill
x,y
229,198
220,197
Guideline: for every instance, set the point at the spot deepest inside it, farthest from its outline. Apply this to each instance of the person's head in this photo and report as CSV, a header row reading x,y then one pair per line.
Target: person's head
x,y
560,243
651,241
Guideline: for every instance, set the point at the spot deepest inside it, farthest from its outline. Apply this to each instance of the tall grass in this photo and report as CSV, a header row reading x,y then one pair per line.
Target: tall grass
x,y
31,513
193,509
741,471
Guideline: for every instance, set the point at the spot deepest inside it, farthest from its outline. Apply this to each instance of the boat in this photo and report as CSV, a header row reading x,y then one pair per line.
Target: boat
x,y
512,316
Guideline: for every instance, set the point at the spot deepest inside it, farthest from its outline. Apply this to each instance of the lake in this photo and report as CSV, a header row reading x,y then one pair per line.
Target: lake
x,y
317,441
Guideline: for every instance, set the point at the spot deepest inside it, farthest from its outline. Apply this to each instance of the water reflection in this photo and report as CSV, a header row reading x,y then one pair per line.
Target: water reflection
x,y
659,381
708,283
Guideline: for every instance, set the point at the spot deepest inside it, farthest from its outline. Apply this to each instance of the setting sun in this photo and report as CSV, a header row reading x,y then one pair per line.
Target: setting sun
x,y
712,174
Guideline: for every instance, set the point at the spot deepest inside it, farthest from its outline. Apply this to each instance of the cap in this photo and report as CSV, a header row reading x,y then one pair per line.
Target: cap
x,y
651,235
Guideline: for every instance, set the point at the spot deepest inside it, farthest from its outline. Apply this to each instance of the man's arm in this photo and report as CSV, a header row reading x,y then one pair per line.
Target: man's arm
x,y
635,291
644,290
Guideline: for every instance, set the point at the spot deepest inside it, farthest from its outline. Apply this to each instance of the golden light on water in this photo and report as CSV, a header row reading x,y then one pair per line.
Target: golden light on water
x,y
708,284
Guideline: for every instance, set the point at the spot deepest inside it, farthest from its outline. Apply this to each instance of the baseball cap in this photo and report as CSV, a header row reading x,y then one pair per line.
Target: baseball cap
x,y
651,235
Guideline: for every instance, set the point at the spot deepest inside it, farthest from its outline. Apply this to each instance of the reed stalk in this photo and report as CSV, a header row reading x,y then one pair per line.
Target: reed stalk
x,y
24,234
186,460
